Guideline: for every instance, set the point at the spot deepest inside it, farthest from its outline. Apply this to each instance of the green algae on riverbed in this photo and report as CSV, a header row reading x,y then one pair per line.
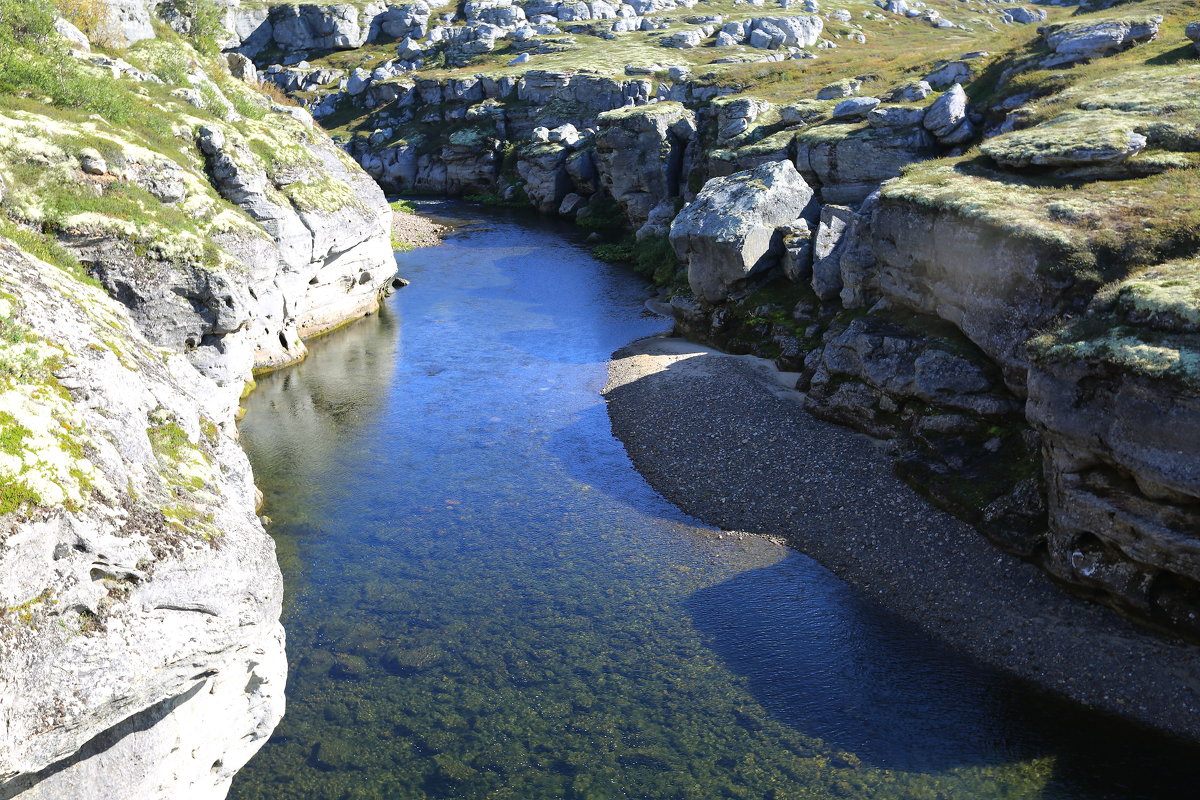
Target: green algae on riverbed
x,y
485,601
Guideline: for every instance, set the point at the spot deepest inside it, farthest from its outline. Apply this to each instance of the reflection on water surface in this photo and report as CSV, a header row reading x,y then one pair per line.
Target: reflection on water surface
x,y
486,601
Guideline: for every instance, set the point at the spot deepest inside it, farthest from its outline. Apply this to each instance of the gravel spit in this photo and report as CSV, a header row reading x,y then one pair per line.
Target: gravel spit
x,y
725,439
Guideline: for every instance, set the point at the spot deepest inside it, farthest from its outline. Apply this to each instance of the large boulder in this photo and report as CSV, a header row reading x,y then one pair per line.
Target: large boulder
x,y
947,117
827,250
731,230
1082,41
798,31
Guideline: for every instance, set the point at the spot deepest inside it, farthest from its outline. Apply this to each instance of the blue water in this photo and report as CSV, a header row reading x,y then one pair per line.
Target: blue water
x,y
484,600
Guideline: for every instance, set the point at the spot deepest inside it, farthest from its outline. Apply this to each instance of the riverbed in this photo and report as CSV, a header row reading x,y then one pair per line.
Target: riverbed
x,y
485,599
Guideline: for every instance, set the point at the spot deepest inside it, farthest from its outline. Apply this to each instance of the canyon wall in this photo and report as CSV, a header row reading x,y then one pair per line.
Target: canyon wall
x,y
167,231
940,297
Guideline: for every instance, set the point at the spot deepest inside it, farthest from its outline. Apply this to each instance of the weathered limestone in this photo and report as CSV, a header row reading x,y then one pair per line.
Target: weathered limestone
x,y
148,611
1085,40
543,169
731,230
1115,397
994,287
848,162
124,22
640,155
139,594
877,364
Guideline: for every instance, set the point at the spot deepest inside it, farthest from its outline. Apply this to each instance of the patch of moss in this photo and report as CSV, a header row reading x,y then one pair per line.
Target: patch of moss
x,y
169,440
1137,350
1062,140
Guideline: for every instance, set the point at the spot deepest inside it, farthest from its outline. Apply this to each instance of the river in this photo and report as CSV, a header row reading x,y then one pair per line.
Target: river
x,y
485,600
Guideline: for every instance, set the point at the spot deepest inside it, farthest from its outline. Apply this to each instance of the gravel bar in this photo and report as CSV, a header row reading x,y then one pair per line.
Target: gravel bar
x,y
727,440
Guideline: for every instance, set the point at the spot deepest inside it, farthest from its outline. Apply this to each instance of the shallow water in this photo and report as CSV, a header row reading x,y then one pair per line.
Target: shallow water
x,y
484,600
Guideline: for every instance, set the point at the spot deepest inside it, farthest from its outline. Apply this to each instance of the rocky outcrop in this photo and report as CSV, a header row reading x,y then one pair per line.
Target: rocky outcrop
x,y
640,155
1083,41
121,23
732,229
994,287
139,593
1115,398
848,162
299,28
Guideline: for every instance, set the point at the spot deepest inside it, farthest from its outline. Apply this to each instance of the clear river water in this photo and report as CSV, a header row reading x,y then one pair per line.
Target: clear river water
x,y
485,600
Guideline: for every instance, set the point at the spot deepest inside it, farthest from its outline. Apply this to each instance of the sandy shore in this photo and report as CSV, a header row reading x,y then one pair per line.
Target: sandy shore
x,y
724,439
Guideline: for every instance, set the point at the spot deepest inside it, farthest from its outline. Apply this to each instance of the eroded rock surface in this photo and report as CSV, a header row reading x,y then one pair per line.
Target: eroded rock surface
x,y
200,239
142,591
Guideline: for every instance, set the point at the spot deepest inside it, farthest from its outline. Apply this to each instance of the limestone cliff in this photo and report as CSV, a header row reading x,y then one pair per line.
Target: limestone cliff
x,y
166,229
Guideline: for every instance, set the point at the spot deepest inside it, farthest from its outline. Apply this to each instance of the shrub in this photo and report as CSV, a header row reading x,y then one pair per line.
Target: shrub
x,y
90,16
25,21
198,20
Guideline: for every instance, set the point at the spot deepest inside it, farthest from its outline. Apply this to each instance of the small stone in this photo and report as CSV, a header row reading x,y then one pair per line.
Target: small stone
x,y
92,163
854,107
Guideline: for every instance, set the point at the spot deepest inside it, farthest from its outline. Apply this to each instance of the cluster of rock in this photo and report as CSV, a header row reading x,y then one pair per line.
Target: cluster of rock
x,y
1070,448
488,116
139,593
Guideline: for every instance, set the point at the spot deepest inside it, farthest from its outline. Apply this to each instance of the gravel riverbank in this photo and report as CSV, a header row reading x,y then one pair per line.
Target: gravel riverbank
x,y
724,439
417,230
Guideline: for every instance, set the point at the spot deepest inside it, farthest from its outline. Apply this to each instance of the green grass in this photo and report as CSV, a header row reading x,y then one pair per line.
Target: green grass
x,y
12,434
40,245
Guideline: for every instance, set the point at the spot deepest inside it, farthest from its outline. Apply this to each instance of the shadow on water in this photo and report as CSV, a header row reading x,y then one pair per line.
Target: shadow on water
x,y
486,601
821,658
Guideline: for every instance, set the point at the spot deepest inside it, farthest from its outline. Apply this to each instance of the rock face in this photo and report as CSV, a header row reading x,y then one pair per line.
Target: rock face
x,y
139,594
993,287
640,155
730,231
124,22
848,167
1115,399
141,597
326,254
